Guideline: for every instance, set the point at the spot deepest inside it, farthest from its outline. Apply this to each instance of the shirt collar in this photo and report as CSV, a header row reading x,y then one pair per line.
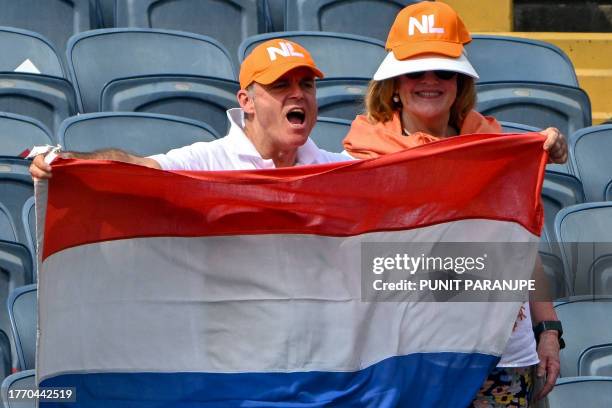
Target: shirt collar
x,y
242,145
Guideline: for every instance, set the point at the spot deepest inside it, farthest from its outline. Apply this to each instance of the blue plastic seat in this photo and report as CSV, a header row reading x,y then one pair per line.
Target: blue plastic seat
x,y
584,233
15,189
143,134
501,58
337,55
371,18
5,355
329,133
28,218
23,380
19,46
608,191
19,133
229,22
591,392
341,98
586,322
97,57
536,104
596,360
590,154
196,97
22,306
45,98
55,19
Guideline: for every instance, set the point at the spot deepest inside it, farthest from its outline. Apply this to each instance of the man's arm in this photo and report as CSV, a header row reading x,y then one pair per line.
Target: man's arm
x,y
39,169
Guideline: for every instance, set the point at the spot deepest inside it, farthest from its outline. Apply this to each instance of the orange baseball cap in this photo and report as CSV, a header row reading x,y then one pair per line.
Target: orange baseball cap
x,y
272,59
427,28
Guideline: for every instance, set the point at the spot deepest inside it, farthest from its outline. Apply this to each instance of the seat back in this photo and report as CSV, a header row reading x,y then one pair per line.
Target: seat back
x,y
19,133
341,98
334,53
592,392
590,154
370,18
15,189
584,232
45,98
537,104
495,58
23,380
596,360
199,98
585,324
22,304
229,21
329,133
608,191
143,134
97,57
27,51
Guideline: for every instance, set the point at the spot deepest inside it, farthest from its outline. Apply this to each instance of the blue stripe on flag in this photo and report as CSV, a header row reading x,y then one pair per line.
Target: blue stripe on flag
x,y
417,380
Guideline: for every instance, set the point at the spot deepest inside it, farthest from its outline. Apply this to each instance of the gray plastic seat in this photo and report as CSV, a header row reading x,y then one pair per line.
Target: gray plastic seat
x,y
341,98
371,18
15,189
608,191
143,134
196,97
97,57
229,21
556,278
19,45
591,392
45,98
536,104
337,55
22,305
586,322
23,380
590,150
501,58
5,355
584,232
329,133
596,360
28,218
19,133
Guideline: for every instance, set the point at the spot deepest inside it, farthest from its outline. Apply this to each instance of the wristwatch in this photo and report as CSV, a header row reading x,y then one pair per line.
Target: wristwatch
x,y
549,325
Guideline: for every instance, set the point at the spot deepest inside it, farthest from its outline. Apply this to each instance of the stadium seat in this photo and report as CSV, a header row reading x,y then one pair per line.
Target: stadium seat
x,y
596,360
57,20
143,134
5,355
200,98
105,13
584,233
496,58
586,322
227,21
536,104
28,218
370,18
19,133
334,53
27,51
590,154
8,231
97,57
591,392
329,133
45,98
275,12
341,98
23,380
15,189
15,165
608,191
22,304
556,278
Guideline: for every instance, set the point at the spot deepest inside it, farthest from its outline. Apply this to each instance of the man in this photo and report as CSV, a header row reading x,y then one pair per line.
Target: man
x,y
278,109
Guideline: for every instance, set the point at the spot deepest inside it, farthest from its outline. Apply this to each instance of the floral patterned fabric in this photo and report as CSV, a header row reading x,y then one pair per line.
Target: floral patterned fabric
x,y
506,387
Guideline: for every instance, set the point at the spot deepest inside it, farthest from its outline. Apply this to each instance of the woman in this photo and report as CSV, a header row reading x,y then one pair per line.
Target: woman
x,y
422,92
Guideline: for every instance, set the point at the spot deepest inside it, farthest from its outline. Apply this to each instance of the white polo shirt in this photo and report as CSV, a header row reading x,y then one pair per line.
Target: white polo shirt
x,y
236,152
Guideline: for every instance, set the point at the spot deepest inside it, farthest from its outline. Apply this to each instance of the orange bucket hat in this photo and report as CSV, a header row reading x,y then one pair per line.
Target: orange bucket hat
x,y
272,59
426,36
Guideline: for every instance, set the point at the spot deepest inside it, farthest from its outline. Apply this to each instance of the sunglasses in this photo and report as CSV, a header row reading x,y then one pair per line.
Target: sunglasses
x,y
443,75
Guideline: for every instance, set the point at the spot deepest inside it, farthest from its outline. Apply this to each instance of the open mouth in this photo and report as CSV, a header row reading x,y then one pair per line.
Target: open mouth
x,y
429,94
296,116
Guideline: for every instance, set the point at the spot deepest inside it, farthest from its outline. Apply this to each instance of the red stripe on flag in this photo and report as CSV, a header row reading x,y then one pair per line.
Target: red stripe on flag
x,y
467,177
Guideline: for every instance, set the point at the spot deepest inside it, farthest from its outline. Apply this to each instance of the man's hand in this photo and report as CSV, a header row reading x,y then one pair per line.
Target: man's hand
x,y
39,169
548,352
555,145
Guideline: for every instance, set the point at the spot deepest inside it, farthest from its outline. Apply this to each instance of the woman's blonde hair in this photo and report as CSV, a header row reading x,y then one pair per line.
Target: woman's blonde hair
x,y
380,106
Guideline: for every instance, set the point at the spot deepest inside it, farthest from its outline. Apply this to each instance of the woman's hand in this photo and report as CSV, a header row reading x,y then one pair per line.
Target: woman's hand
x,y
555,145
